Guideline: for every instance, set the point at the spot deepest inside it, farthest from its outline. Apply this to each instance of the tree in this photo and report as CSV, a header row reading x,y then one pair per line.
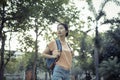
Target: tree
x,y
109,57
41,22
12,14
16,14
83,62
97,17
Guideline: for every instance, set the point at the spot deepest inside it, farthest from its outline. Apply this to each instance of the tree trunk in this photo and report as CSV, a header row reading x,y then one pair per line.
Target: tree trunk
x,y
2,58
34,75
2,37
96,52
96,62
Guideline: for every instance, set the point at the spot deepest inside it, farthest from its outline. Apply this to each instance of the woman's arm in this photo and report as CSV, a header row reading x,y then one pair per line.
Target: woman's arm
x,y
46,54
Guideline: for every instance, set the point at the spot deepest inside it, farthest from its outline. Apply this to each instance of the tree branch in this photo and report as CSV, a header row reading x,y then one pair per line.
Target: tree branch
x,y
101,13
111,21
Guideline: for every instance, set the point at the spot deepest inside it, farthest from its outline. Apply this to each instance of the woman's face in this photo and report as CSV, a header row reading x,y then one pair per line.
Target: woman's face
x,y
61,31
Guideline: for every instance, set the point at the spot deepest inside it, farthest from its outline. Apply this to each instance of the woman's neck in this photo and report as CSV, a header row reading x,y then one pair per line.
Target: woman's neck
x,y
62,39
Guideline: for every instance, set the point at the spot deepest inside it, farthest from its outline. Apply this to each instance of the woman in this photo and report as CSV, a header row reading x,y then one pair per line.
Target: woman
x,y
63,65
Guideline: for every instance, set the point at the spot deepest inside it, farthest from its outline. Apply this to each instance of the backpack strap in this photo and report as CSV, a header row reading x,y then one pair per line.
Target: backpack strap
x,y
69,47
59,47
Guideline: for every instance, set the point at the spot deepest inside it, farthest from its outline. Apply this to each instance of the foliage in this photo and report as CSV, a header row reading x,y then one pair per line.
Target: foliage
x,y
27,15
26,42
110,69
16,16
109,58
28,58
15,64
112,45
82,46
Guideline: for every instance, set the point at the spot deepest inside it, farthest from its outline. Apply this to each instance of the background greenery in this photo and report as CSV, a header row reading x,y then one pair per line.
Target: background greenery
x,y
98,54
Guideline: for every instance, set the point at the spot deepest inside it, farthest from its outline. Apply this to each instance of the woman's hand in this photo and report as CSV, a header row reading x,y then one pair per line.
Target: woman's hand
x,y
55,55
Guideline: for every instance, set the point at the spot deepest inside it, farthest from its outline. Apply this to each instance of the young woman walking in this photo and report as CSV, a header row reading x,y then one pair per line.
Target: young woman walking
x,y
63,65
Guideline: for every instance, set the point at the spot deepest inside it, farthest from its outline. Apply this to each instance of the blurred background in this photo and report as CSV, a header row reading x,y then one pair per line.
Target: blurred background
x,y
27,26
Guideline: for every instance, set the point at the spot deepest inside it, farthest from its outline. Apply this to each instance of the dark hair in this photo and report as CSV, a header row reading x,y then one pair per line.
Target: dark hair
x,y
65,26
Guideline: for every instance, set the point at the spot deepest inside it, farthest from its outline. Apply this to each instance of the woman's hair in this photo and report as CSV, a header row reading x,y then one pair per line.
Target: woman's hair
x,y
65,26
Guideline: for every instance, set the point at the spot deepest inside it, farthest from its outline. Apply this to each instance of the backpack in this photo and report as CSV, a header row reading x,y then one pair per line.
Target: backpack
x,y
50,62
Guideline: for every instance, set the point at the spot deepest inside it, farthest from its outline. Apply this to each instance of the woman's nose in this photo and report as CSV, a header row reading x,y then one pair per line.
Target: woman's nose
x,y
59,30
